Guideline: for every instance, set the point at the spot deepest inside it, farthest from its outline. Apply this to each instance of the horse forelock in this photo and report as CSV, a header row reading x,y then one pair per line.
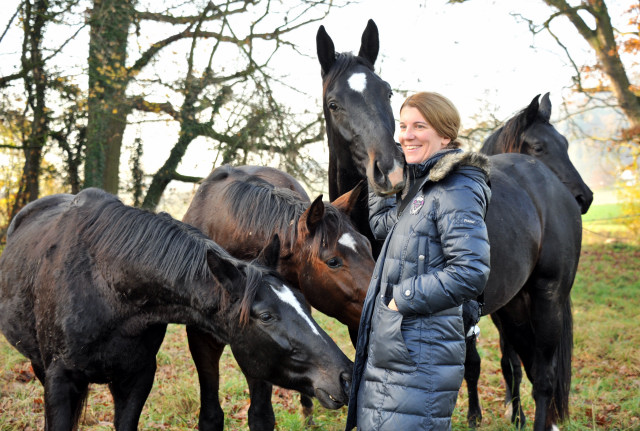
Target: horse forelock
x,y
255,274
344,61
173,250
327,233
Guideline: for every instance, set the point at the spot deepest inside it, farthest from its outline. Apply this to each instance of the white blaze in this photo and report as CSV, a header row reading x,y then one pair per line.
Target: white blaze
x,y
286,295
358,82
348,241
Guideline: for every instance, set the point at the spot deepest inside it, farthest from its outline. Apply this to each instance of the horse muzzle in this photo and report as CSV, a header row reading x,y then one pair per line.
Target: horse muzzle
x,y
386,182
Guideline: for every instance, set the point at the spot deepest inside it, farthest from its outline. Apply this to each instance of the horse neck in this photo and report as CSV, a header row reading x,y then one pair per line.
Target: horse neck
x,y
343,177
343,171
185,300
493,145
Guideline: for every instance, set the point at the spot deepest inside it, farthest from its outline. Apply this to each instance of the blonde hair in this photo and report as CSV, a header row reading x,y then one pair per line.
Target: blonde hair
x,y
440,113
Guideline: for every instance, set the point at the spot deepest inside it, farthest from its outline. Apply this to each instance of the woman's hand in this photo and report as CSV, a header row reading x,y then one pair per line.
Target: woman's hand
x,y
392,305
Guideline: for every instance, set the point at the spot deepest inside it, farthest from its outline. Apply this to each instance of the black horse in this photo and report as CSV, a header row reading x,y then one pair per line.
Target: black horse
x,y
529,132
533,221
359,127
88,285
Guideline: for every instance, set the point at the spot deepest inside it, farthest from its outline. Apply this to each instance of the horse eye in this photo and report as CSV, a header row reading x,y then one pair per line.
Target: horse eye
x,y
334,262
537,149
266,317
333,106
390,95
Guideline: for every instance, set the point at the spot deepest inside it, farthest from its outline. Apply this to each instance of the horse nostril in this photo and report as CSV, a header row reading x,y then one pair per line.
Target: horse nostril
x,y
378,174
584,203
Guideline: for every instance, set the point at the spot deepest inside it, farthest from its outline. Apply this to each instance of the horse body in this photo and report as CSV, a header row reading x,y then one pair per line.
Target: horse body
x,y
322,255
534,228
88,285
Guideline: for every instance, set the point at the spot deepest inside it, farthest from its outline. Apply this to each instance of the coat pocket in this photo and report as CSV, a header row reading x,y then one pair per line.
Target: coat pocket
x,y
387,346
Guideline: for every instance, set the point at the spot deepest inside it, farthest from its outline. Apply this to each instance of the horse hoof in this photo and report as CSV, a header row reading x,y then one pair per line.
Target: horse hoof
x,y
509,411
474,422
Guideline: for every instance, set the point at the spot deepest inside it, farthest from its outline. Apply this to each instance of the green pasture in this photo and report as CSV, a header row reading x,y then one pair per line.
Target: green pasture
x,y
605,387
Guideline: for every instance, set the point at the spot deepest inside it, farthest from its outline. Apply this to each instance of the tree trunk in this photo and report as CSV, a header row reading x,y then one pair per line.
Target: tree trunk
x,y
602,40
108,78
166,173
36,85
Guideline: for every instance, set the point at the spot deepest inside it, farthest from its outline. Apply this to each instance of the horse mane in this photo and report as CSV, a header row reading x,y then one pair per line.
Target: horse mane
x,y
509,137
344,61
265,210
176,251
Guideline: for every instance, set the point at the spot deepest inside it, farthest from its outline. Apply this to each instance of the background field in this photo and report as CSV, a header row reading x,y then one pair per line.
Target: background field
x,y
606,374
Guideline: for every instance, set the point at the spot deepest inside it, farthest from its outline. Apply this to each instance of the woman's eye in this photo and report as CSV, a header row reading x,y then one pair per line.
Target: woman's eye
x,y
334,262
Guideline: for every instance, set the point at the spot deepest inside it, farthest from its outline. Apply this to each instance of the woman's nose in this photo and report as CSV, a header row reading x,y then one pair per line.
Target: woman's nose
x,y
408,134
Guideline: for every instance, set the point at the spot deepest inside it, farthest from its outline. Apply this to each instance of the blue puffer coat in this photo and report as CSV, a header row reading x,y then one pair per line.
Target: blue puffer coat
x,y
409,364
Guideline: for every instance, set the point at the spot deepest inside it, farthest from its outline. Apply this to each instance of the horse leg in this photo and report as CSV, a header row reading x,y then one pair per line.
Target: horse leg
x,y
472,363
206,352
129,395
64,394
38,370
261,416
551,368
306,405
512,373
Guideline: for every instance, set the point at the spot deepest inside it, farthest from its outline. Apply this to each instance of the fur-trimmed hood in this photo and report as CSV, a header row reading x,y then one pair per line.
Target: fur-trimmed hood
x,y
452,161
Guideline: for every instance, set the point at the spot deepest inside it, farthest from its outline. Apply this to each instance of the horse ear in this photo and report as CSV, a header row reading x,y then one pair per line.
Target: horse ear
x,y
532,110
270,254
370,43
326,50
545,107
312,216
347,201
223,270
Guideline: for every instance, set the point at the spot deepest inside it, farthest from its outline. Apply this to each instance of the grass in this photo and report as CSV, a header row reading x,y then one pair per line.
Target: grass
x,y
604,223
605,387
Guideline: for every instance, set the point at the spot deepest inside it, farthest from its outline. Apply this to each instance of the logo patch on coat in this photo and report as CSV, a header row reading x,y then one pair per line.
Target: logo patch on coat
x,y
417,203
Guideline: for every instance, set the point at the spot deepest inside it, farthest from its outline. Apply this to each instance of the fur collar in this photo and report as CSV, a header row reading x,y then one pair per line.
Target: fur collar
x,y
450,162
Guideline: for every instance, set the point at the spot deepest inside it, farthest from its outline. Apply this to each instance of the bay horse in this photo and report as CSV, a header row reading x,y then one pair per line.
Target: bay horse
x,y
322,255
533,221
88,286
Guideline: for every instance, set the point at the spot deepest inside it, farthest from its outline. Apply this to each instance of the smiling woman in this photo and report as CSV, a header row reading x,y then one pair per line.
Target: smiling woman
x,y
428,123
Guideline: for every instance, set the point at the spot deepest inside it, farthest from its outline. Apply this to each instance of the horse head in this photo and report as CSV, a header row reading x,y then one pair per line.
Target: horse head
x,y
358,115
281,343
530,132
334,261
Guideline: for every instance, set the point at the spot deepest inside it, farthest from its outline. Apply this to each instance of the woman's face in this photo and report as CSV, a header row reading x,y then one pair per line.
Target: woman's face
x,y
418,139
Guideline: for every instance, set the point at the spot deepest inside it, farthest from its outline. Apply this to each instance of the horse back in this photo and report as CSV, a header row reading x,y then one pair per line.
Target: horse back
x,y
276,177
212,208
28,241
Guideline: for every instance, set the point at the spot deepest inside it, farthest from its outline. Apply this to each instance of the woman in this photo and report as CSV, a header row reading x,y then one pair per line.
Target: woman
x,y
410,353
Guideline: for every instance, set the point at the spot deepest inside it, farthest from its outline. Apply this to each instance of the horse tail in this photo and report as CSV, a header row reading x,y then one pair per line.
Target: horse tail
x,y
564,354
82,395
